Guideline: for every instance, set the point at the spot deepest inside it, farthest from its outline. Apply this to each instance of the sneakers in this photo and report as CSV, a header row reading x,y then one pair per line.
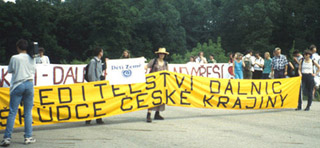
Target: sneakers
x,y
5,142
29,140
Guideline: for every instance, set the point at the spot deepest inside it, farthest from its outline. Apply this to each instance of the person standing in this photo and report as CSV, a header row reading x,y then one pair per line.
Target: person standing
x,y
95,73
306,70
125,54
201,59
279,64
22,67
211,59
191,60
258,66
296,60
42,59
155,65
231,58
266,66
248,61
315,57
238,66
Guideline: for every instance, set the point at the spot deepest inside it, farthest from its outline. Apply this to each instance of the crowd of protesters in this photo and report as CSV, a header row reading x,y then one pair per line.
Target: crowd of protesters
x,y
254,65
248,66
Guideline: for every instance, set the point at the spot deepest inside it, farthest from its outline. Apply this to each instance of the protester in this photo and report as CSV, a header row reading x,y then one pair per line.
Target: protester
x,y
211,59
22,67
266,66
315,57
296,58
158,64
231,58
279,64
248,61
258,66
238,66
125,54
95,73
191,60
290,69
42,59
307,72
201,59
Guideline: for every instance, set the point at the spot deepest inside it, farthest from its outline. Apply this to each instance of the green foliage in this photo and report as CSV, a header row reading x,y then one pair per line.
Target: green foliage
x,y
208,49
73,29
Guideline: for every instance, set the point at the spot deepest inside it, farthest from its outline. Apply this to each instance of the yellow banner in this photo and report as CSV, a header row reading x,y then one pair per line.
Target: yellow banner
x,y
85,101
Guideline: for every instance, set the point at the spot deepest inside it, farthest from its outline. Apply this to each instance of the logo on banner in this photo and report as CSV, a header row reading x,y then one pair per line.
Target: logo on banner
x,y
126,73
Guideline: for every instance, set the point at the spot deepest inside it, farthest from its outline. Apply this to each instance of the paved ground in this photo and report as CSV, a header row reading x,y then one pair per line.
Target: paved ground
x,y
186,127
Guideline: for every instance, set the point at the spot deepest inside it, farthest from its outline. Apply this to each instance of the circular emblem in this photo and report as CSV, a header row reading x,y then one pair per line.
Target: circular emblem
x,y
126,73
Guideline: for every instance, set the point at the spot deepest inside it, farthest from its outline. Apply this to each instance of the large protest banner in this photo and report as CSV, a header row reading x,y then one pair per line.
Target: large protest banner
x,y
85,101
60,74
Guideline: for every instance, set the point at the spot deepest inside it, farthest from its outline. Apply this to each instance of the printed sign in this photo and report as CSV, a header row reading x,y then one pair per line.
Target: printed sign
x,y
126,71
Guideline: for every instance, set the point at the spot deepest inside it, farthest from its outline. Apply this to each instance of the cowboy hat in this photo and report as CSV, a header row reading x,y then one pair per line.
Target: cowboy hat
x,y
162,50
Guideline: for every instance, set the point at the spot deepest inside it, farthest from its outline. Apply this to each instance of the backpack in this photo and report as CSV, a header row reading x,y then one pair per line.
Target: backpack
x,y
86,70
248,64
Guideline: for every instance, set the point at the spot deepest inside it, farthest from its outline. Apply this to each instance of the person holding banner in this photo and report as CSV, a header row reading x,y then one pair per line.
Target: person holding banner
x,y
238,65
95,73
157,64
22,67
306,71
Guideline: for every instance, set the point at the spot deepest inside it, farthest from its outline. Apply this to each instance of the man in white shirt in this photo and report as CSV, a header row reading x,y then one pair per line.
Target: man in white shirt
x,y
42,59
315,57
258,66
201,59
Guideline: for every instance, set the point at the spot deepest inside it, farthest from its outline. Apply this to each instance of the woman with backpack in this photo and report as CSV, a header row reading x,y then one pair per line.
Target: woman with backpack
x,y
155,65
306,71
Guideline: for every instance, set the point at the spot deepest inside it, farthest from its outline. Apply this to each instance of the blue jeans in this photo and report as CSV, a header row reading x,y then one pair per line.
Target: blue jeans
x,y
24,92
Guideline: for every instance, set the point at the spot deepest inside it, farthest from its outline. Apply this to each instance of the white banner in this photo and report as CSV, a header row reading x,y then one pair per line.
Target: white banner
x,y
58,74
126,71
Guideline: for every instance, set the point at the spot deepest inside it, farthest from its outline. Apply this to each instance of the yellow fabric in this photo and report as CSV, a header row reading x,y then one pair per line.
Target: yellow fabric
x,y
85,101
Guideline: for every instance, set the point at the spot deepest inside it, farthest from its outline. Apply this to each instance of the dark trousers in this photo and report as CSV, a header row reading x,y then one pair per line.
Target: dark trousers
x,y
265,76
279,73
247,74
307,89
257,74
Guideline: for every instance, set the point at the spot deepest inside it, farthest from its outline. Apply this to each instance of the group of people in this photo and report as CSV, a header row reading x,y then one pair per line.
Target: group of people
x,y
254,66
201,59
22,67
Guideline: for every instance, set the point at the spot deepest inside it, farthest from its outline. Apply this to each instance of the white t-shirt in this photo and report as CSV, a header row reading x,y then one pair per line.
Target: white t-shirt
x,y
260,61
203,61
252,58
43,60
316,58
22,67
306,68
